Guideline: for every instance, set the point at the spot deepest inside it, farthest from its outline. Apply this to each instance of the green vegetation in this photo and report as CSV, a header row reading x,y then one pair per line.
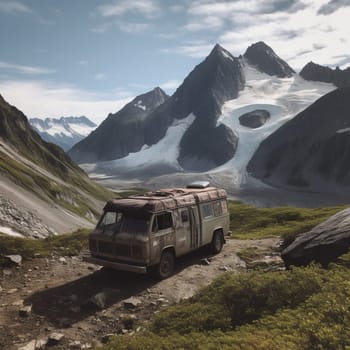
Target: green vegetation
x,y
303,308
249,222
67,244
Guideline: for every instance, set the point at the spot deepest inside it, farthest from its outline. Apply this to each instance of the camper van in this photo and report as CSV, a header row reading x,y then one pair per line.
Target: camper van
x,y
147,232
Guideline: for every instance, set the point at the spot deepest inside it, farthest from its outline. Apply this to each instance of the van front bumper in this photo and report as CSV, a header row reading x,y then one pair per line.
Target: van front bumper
x,y
115,265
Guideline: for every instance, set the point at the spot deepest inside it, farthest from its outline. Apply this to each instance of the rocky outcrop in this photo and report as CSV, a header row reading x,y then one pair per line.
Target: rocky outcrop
x,y
265,59
316,72
254,119
121,133
323,244
311,151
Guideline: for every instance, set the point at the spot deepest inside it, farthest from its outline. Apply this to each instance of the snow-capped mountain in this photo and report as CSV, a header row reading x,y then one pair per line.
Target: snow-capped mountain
x,y
122,132
215,121
192,114
311,151
65,131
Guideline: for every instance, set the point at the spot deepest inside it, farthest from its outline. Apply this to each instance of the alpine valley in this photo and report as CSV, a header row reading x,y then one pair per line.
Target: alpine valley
x,y
42,192
230,111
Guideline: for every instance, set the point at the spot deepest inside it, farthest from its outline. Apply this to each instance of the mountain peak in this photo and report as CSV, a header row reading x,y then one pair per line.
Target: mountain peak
x,y
266,60
219,51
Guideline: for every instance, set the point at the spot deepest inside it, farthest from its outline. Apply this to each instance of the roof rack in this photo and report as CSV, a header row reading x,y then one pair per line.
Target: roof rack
x,y
198,184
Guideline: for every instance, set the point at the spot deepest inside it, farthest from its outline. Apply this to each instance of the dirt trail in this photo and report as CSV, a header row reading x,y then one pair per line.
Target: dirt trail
x,y
87,304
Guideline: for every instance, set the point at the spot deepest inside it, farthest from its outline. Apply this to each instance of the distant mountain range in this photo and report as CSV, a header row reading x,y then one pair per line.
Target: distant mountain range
x,y
214,123
228,122
40,177
65,131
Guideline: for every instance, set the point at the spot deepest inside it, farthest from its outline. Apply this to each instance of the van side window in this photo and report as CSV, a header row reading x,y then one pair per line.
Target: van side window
x,y
184,215
207,210
162,222
217,208
224,206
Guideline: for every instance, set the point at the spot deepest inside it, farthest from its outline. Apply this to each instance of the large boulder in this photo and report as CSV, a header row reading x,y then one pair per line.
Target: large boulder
x,y
323,244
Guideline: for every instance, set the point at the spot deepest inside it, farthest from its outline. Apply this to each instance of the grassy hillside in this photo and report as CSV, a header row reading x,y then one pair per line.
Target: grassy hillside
x,y
43,168
249,222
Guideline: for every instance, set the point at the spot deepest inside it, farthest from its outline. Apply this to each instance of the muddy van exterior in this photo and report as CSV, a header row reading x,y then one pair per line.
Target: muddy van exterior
x,y
148,232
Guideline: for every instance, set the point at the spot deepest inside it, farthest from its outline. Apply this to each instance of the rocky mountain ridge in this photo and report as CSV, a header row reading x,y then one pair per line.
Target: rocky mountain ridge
x,y
316,72
311,151
120,133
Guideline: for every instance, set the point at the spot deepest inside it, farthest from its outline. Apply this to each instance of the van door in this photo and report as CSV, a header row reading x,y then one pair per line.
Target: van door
x,y
195,228
183,232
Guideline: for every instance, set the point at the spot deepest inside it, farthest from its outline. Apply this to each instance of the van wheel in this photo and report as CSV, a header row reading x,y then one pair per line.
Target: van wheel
x,y
165,268
217,242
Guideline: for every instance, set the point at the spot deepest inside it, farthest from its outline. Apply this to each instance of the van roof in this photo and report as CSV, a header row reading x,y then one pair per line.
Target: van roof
x,y
164,199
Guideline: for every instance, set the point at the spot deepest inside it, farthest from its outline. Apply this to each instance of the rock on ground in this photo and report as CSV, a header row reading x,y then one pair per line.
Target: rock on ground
x,y
323,244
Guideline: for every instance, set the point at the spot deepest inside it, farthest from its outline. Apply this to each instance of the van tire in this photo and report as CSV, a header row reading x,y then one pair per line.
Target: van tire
x,y
217,242
166,265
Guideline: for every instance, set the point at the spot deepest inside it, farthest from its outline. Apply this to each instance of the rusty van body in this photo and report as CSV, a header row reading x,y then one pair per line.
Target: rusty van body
x,y
149,231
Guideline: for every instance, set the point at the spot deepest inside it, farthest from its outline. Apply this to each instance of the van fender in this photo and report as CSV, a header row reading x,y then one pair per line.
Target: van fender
x,y
162,250
219,228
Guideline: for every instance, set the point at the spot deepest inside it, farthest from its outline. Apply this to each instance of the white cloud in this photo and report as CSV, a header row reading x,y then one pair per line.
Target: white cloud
x,y
147,8
294,29
193,49
43,99
14,8
102,28
24,69
171,85
132,27
100,76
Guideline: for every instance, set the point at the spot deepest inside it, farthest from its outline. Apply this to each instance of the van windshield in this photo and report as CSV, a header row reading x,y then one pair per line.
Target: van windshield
x,y
120,222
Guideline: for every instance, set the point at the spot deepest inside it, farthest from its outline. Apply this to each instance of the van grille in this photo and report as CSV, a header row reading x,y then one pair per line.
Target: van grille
x,y
123,250
106,247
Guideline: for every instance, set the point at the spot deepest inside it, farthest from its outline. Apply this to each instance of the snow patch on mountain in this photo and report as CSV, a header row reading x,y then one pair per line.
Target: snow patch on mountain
x,y
283,98
165,152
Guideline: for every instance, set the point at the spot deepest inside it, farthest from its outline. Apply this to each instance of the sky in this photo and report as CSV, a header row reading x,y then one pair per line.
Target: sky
x,y
91,57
